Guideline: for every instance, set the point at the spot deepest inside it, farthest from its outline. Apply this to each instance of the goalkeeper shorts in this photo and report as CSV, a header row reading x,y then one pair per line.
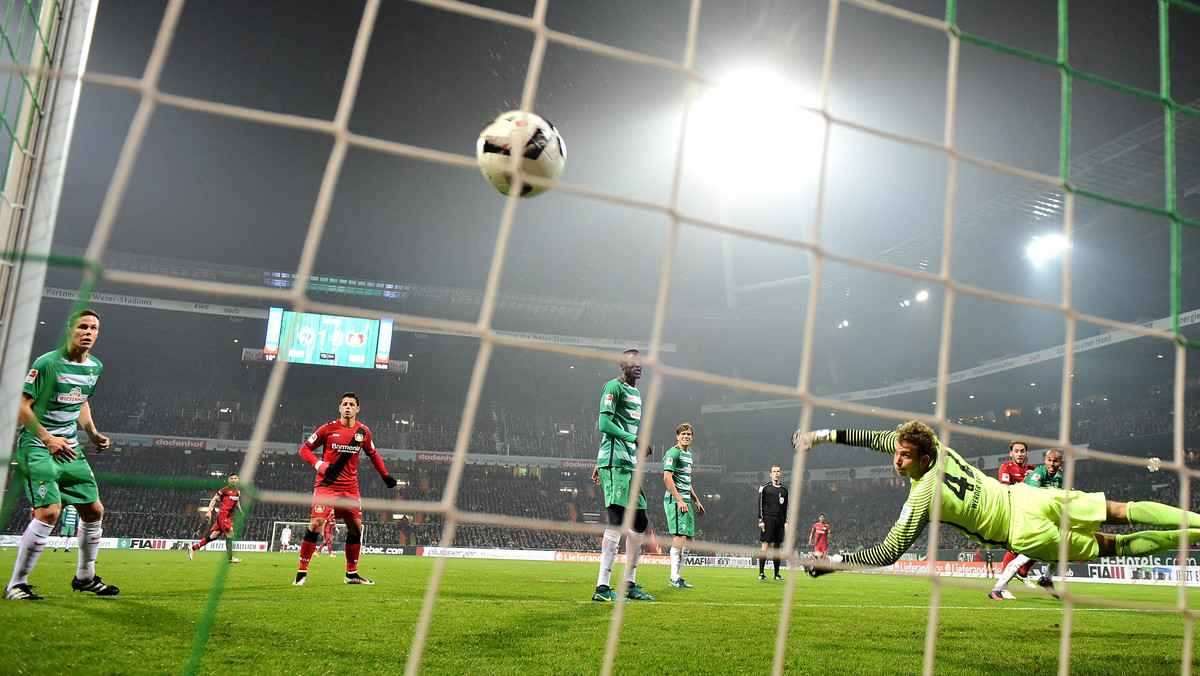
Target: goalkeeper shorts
x,y
1035,527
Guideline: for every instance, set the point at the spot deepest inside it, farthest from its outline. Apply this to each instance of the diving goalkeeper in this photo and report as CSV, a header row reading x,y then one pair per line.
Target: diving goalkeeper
x,y
1020,517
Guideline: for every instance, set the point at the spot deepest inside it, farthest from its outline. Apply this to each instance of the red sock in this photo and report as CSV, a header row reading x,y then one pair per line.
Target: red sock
x,y
200,544
1008,557
352,557
1025,568
306,552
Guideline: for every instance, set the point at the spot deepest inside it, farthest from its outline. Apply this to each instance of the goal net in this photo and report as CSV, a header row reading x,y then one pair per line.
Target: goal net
x,y
843,215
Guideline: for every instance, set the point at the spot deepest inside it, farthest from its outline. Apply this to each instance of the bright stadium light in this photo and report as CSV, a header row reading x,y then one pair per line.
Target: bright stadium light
x,y
1042,249
922,296
750,132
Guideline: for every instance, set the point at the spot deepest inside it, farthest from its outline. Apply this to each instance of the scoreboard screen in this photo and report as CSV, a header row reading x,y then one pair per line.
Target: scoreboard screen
x,y
327,340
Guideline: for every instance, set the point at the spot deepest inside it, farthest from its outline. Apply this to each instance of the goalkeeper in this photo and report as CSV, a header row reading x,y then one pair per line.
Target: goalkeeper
x,y
1020,517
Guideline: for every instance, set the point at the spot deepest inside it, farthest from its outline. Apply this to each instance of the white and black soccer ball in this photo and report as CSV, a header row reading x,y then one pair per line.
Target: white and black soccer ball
x,y
538,143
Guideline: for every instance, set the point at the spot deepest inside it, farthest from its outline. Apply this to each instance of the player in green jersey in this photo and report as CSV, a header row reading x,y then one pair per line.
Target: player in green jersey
x,y
679,500
1020,517
620,415
70,518
1048,475
54,406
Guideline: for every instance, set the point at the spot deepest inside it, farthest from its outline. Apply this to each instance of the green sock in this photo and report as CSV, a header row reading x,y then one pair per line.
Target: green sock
x,y
1150,542
1159,515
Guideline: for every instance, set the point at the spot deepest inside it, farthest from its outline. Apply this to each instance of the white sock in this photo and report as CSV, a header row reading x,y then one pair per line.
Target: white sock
x,y
676,563
633,551
683,552
1010,571
608,555
32,543
89,545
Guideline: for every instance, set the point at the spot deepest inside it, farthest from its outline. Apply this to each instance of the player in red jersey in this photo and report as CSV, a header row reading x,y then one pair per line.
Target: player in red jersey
x,y
327,535
340,442
230,499
1013,472
819,536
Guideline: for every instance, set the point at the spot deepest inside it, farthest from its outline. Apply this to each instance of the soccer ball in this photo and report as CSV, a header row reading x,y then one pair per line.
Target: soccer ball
x,y
539,143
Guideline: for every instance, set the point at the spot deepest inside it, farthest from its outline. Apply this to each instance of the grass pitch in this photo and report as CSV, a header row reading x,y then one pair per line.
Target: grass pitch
x,y
504,617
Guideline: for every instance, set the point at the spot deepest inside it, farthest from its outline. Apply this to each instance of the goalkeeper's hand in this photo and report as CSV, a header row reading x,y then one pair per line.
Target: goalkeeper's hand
x,y
804,441
389,481
816,567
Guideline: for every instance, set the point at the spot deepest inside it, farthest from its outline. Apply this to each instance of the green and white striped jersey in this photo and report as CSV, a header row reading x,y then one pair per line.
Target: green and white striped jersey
x,y
60,388
972,502
70,516
1042,478
620,415
679,463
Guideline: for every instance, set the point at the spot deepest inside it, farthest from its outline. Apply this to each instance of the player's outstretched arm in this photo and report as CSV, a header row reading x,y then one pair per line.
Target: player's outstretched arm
x,y
816,566
804,441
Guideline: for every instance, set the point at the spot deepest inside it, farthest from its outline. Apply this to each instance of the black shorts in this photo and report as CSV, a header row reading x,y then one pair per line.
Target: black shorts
x,y
772,529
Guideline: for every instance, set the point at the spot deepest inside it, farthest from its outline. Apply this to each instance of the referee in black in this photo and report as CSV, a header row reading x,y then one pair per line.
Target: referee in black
x,y
772,519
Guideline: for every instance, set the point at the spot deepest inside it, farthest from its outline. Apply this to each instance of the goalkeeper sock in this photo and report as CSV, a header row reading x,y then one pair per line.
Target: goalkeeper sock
x,y
675,563
633,547
1150,542
608,555
30,548
89,547
1160,515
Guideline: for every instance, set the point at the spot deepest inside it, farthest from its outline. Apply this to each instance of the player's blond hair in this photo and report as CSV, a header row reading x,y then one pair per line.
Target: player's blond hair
x,y
684,426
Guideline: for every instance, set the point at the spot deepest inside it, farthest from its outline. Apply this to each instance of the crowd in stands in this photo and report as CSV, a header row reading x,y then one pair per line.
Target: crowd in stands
x,y
563,429
139,486
141,490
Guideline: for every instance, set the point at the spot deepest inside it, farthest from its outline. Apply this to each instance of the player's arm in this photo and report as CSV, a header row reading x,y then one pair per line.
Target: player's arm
x,y
812,533
696,502
607,425
212,504
1004,476
315,441
669,480
377,461
913,518
89,427
59,447
881,441
669,460
762,525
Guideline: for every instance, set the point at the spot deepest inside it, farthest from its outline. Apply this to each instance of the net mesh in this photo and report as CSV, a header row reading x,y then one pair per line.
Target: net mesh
x,y
1076,186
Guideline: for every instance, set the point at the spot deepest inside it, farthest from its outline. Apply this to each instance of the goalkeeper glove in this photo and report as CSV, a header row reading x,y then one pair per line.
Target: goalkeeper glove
x,y
817,567
389,481
804,441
